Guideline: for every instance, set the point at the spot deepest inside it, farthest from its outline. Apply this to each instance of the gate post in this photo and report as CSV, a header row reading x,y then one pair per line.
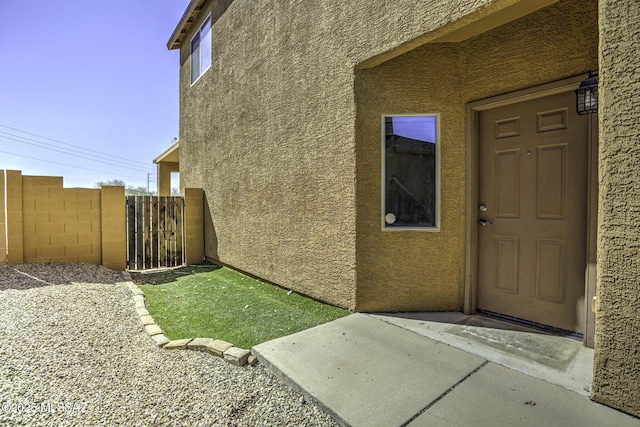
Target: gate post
x,y
15,236
193,225
114,231
3,224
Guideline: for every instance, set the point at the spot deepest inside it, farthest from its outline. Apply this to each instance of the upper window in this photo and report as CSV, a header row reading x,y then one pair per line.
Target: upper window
x,y
411,172
201,50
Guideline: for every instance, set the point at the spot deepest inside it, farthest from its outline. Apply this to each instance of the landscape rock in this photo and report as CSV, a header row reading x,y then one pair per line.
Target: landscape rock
x,y
147,320
81,344
218,347
160,340
199,344
152,329
177,344
237,356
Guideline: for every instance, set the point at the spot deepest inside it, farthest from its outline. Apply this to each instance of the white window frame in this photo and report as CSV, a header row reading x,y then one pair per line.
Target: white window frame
x,y
199,51
384,226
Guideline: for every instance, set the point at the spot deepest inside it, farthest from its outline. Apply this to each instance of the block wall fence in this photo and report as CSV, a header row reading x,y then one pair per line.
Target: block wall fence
x,y
43,222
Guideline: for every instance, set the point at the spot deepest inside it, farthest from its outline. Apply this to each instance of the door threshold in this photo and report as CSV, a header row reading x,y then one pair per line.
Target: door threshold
x,y
551,330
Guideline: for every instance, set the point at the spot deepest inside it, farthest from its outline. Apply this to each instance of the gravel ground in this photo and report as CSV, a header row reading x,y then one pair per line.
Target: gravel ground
x,y
73,352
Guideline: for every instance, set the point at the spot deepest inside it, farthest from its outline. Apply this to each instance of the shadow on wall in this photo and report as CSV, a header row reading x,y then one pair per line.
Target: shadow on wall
x,y
210,235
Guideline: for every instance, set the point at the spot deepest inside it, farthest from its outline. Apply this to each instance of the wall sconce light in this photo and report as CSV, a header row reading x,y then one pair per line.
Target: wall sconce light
x,y
587,95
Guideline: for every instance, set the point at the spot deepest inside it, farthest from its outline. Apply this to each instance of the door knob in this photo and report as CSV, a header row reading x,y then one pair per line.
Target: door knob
x,y
483,207
484,222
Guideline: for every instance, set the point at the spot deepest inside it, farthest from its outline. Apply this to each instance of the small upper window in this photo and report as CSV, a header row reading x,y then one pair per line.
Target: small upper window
x,y
201,50
411,178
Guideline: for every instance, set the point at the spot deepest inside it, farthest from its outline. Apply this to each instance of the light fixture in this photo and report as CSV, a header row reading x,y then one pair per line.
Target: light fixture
x,y
587,95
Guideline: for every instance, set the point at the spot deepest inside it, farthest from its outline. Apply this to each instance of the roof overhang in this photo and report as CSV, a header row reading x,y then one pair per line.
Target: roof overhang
x,y
189,16
170,155
486,18
502,16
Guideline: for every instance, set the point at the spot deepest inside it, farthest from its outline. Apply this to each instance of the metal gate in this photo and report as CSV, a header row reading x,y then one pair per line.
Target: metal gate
x,y
155,232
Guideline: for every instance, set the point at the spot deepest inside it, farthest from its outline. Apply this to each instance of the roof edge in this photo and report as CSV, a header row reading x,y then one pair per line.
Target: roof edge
x,y
175,146
190,14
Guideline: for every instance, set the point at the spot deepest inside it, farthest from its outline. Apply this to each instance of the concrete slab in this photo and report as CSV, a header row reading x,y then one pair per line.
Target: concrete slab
x,y
498,396
559,360
366,371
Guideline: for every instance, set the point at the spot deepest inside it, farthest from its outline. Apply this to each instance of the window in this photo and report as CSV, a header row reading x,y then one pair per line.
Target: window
x,y
201,50
411,172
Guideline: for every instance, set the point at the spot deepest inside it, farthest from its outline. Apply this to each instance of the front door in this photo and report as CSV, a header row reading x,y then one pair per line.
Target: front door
x,y
533,159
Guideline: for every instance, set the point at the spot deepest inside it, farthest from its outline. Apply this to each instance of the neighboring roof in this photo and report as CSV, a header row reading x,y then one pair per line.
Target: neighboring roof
x,y
189,16
171,154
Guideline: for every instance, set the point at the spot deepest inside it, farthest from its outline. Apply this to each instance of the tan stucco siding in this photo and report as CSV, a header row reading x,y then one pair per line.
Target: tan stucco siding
x,y
412,270
268,131
164,170
617,359
272,147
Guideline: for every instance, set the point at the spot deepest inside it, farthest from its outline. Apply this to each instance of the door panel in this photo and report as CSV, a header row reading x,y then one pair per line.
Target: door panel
x,y
552,180
508,184
533,182
507,250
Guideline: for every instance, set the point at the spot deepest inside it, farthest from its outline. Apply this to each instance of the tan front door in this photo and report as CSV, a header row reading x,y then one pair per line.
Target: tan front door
x,y
532,195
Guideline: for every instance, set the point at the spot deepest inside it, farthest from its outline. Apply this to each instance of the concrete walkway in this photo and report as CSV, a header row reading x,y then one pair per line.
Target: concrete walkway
x,y
438,370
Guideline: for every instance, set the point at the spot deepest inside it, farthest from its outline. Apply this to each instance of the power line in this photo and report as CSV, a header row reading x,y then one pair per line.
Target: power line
x,y
65,164
71,145
65,150
75,155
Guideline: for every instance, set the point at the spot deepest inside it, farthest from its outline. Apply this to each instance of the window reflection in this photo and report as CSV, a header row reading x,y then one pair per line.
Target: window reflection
x,y
410,171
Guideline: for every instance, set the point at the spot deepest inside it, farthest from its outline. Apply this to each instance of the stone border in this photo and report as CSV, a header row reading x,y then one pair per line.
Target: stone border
x,y
234,355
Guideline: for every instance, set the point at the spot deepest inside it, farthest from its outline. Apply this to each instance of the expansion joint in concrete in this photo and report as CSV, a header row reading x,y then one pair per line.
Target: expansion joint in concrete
x,y
439,398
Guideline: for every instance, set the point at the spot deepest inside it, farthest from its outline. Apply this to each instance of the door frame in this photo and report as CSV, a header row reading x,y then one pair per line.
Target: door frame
x,y
471,259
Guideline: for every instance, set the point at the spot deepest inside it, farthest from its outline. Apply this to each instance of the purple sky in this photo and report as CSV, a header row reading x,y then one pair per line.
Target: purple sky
x,y
94,74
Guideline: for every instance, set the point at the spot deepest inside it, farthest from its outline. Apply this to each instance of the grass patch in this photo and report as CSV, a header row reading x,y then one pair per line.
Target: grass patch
x,y
213,302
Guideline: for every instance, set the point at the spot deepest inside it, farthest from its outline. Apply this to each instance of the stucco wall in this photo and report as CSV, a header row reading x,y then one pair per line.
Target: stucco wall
x,y
268,131
272,133
413,270
617,354
164,171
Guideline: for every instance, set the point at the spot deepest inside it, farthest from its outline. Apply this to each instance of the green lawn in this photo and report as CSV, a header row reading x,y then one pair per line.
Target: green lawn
x,y
213,302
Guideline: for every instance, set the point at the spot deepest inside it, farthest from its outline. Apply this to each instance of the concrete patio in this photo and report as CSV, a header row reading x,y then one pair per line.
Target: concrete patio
x,y
440,369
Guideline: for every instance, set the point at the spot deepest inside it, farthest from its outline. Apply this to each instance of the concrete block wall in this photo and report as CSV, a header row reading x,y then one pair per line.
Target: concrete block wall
x,y
49,223
3,224
59,224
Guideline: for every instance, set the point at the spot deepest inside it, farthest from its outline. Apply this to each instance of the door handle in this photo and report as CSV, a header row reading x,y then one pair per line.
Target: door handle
x,y
484,222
